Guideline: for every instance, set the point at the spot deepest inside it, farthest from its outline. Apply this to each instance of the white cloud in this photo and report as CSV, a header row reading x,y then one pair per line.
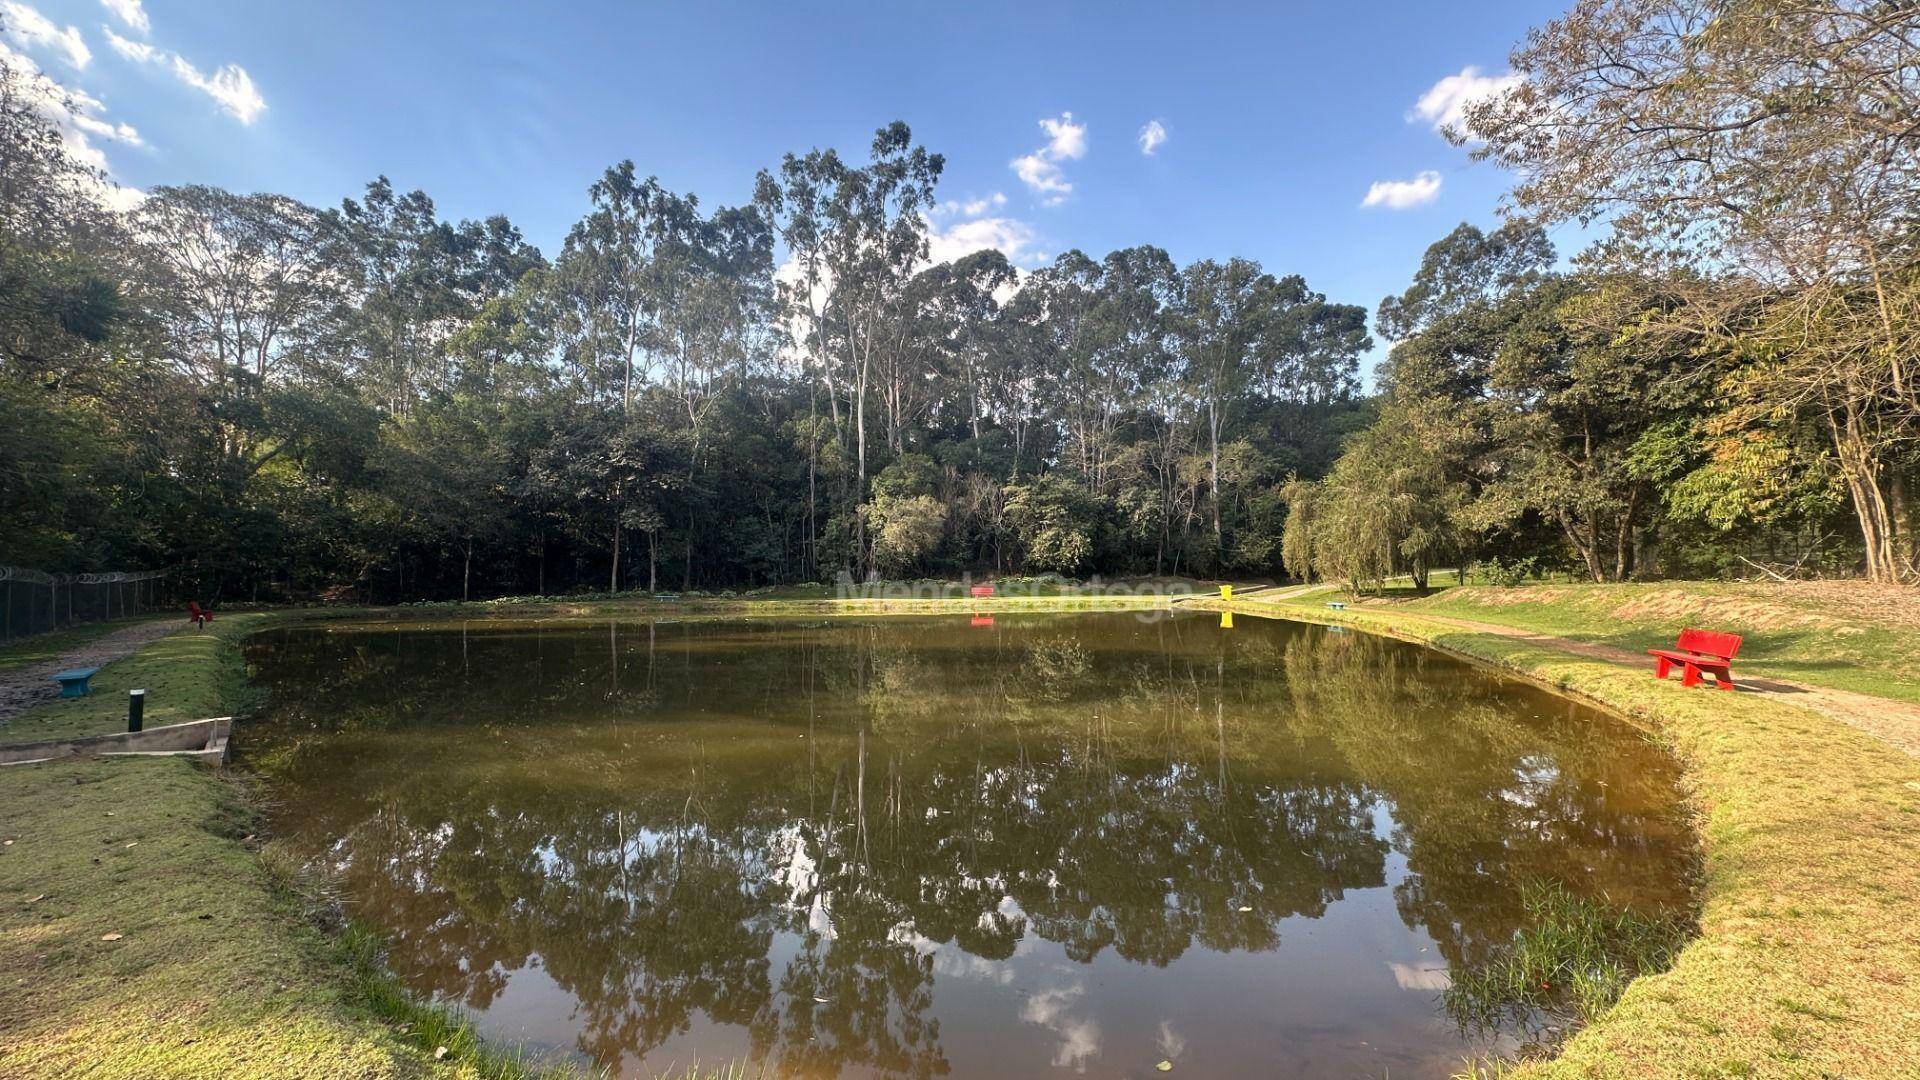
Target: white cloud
x,y
1402,194
130,13
137,51
1044,177
970,207
1065,139
1011,237
120,132
230,86
76,115
1152,134
1444,105
33,30
1040,170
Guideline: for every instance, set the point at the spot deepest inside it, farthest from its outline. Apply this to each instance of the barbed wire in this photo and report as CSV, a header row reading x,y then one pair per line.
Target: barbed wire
x,y
110,577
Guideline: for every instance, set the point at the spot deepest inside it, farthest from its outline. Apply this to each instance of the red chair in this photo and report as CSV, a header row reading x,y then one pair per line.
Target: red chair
x,y
198,615
1699,651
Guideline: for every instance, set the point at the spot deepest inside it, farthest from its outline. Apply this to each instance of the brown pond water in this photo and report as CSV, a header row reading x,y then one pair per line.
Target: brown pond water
x,y
915,846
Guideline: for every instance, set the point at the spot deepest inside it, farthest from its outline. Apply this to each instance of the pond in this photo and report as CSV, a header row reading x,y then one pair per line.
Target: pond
x,y
930,846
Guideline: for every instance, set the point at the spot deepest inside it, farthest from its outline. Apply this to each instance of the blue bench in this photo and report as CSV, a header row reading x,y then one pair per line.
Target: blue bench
x,y
73,681
1337,605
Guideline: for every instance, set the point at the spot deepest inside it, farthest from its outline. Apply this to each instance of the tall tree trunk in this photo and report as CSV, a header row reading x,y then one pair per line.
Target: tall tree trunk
x,y
1906,542
613,579
809,556
1861,466
653,560
1623,539
860,441
1213,436
466,573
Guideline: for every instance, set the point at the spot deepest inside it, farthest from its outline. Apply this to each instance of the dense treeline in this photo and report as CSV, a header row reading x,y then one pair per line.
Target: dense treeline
x,y
1728,379
274,399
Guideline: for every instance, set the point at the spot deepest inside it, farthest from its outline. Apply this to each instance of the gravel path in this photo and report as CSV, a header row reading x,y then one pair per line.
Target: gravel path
x,y
23,687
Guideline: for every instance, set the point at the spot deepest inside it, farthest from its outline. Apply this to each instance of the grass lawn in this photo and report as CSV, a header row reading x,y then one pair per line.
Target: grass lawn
x,y
1847,635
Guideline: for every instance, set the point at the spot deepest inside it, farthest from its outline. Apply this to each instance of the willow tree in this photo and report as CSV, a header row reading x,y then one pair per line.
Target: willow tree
x,y
1390,506
1774,147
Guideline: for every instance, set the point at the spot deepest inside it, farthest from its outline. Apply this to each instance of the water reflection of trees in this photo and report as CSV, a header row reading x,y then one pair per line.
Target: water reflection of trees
x,y
647,818
1496,796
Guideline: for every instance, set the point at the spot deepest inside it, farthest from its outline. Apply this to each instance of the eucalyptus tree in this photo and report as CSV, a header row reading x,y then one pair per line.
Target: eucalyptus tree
x,y
1312,348
1123,348
876,238
1227,310
610,277
962,311
714,293
1773,148
854,238
1047,334
412,283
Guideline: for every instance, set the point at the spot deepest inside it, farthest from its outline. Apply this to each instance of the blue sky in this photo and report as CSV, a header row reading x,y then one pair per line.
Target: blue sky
x,y
1279,119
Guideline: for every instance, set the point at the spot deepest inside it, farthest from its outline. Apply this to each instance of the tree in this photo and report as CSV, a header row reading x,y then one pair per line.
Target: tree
x,y
1574,389
612,274
1773,149
411,283
1055,521
855,238
1389,506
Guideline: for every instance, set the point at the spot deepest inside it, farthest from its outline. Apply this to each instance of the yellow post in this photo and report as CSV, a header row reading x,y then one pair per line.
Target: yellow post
x,y
1226,592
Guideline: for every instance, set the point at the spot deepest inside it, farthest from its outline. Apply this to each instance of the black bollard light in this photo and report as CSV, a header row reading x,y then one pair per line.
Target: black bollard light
x,y
136,709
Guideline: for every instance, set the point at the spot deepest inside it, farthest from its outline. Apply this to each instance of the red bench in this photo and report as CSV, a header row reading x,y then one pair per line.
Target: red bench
x,y
198,615
982,590
1698,651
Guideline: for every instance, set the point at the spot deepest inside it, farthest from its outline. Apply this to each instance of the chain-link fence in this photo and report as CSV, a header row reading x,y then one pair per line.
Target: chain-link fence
x,y
33,601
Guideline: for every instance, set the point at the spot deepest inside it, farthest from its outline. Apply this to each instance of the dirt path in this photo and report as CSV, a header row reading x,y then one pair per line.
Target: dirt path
x,y
23,687
1895,722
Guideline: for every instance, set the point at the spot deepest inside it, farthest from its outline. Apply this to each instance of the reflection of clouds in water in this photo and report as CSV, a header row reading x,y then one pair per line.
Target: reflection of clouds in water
x,y
1420,977
1172,1043
1079,1037
954,962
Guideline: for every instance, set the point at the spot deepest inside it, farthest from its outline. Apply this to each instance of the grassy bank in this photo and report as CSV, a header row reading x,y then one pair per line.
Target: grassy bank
x,y
1808,959
1849,635
142,933
188,675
